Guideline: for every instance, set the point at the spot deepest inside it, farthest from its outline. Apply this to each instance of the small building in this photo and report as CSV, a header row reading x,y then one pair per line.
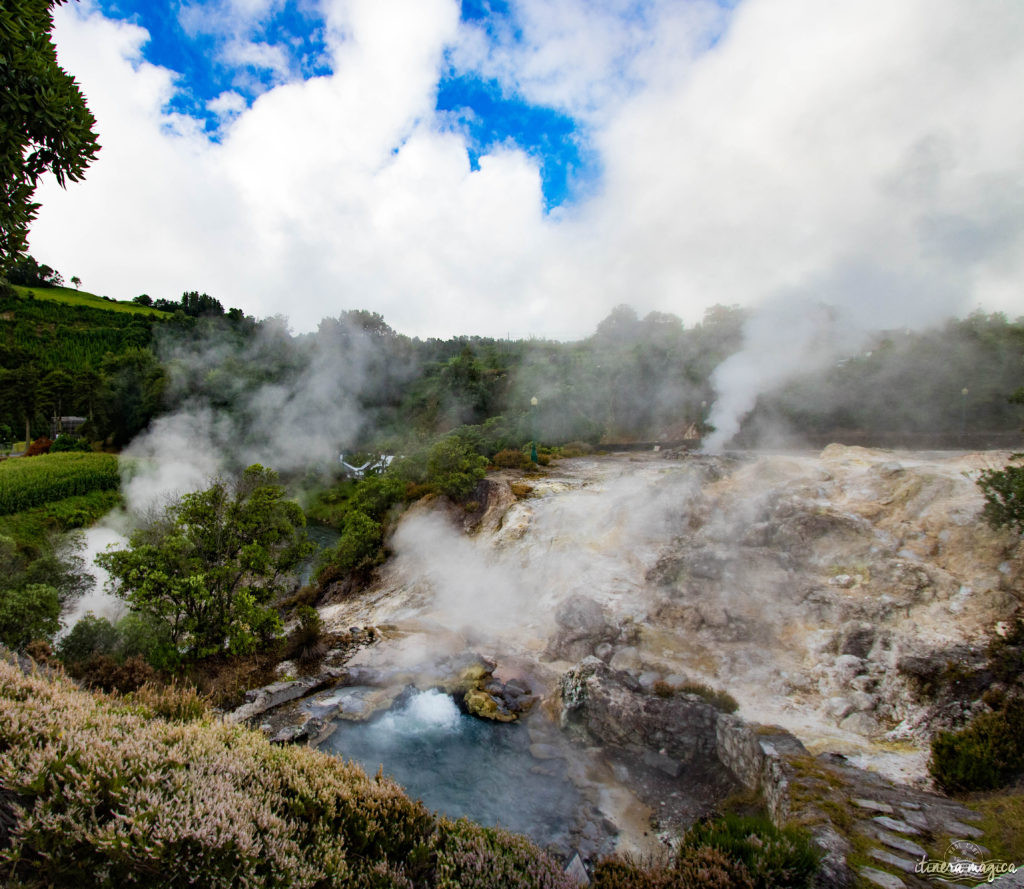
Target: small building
x,y
67,425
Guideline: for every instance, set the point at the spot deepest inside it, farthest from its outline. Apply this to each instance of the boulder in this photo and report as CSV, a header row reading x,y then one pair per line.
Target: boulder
x,y
582,626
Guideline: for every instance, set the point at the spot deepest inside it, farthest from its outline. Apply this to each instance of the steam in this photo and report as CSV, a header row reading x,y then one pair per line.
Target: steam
x,y
596,541
292,402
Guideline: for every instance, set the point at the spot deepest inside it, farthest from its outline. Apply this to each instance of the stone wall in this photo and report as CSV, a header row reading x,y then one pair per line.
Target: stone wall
x,y
758,760
673,732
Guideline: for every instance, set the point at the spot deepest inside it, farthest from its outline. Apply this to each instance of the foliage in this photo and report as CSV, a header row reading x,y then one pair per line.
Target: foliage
x,y
510,458
91,635
28,272
35,582
719,699
28,483
38,447
776,858
454,468
64,442
105,789
725,852
34,526
31,612
212,563
1004,496
46,125
987,754
305,642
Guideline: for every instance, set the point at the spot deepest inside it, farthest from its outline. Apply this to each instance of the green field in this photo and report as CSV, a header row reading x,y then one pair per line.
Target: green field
x,y
73,297
27,482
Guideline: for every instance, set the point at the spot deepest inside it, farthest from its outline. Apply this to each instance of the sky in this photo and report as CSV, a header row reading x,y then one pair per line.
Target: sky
x,y
520,167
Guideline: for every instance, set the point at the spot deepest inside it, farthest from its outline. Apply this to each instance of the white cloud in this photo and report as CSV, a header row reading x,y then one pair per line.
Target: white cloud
x,y
821,148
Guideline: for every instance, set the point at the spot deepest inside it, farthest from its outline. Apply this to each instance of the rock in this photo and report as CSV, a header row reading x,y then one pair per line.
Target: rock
x,y
895,824
904,864
613,709
881,878
838,708
605,651
872,805
860,724
582,625
576,871
479,703
857,639
659,761
900,843
545,751
847,667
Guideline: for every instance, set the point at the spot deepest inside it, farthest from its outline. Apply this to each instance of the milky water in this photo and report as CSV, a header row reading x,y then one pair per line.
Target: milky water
x,y
462,766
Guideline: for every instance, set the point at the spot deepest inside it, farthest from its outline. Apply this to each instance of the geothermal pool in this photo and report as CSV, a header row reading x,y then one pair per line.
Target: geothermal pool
x,y
462,766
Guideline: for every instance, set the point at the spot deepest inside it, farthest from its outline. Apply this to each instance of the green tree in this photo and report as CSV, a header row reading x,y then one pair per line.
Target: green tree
x,y
44,122
31,612
454,467
212,564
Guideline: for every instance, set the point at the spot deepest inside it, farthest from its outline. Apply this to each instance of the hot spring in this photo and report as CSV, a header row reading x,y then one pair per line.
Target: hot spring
x,y
459,765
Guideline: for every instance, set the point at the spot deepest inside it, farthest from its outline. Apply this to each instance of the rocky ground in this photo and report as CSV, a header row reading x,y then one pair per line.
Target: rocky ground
x,y
834,595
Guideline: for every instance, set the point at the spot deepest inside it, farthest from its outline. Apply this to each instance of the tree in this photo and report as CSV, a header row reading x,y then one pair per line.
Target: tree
x,y
76,281
212,564
44,122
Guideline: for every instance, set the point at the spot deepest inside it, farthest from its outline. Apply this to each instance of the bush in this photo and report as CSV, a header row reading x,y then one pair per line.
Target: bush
x,y
510,459
721,700
92,635
39,446
173,702
106,790
109,674
454,468
775,858
1004,496
986,755
65,442
305,643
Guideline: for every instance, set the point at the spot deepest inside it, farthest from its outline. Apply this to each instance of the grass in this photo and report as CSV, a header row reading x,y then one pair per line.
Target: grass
x,y
32,525
1002,821
73,297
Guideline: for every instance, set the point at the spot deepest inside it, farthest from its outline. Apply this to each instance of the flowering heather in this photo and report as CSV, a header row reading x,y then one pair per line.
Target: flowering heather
x,y
108,795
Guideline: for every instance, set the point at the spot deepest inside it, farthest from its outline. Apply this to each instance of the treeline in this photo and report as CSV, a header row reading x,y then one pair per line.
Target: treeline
x,y
634,378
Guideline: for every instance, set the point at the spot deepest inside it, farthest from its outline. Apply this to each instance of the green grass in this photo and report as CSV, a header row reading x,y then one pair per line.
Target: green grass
x,y
72,297
27,482
31,526
1002,821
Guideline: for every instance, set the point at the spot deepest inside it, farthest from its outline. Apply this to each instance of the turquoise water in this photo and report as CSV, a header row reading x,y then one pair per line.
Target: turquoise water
x,y
459,765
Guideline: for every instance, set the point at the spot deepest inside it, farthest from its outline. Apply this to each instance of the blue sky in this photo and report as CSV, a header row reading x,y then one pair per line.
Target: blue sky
x,y
523,166
488,114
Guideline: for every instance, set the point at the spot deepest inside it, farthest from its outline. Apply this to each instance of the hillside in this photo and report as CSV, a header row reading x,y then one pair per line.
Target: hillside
x,y
70,296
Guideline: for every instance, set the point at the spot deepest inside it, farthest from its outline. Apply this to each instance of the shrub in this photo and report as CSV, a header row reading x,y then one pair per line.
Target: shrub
x,y
774,858
454,468
109,674
92,635
721,700
510,458
39,446
305,642
575,449
177,703
358,548
987,754
1004,496
65,442
110,796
